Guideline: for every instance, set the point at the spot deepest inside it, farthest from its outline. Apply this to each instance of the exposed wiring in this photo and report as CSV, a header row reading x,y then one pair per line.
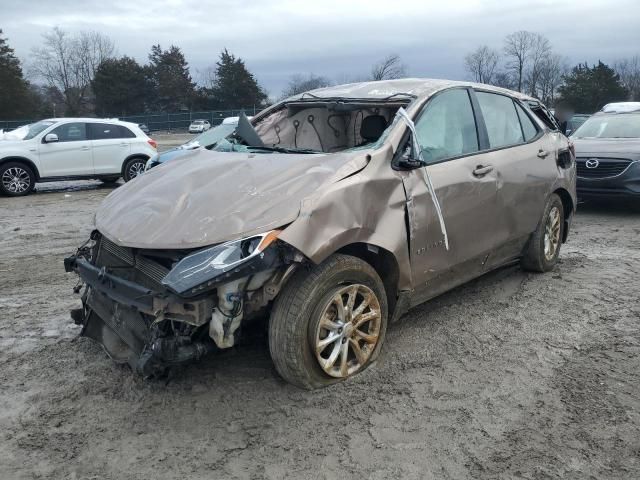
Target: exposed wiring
x,y
296,124
310,119
276,128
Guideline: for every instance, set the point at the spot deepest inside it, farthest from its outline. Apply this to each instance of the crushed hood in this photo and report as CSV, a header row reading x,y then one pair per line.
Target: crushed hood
x,y
208,197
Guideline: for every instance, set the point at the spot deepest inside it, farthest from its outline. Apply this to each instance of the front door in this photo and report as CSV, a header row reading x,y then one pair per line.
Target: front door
x,y
465,183
70,155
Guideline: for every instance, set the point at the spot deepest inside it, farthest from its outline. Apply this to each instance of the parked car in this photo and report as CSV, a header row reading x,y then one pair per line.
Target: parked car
x,y
144,128
206,140
575,121
199,126
72,149
608,152
330,213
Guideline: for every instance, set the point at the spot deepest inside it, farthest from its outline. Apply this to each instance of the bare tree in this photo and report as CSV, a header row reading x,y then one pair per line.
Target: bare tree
x,y
503,79
301,83
550,76
481,64
517,49
540,52
629,71
389,68
69,64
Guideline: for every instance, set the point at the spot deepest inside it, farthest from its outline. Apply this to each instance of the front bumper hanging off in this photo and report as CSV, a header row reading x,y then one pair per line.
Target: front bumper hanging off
x,y
121,316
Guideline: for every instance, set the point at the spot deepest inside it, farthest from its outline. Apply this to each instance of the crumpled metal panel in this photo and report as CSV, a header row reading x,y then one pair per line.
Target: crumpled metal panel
x,y
368,207
208,197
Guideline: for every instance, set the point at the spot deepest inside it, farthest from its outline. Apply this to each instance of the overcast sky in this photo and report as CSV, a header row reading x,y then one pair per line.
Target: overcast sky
x,y
337,39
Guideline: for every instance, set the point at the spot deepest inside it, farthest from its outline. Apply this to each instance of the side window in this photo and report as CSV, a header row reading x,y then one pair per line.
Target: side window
x,y
501,119
125,132
528,127
103,131
71,132
447,128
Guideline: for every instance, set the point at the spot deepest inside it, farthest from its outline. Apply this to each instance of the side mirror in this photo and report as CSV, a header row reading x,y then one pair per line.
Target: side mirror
x,y
50,138
408,160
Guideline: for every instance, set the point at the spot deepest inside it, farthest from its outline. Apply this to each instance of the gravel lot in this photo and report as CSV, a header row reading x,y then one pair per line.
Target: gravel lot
x,y
514,375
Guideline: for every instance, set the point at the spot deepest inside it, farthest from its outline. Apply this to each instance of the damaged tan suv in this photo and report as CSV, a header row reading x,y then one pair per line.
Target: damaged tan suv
x,y
328,215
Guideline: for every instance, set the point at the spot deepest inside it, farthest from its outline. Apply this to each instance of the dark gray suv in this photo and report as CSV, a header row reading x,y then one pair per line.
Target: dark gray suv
x,y
608,155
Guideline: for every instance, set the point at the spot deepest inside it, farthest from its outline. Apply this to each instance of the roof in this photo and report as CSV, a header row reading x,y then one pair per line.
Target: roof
x,y
621,107
87,120
383,89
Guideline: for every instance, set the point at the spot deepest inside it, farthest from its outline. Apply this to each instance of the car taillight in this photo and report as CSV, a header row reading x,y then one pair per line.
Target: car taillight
x,y
153,143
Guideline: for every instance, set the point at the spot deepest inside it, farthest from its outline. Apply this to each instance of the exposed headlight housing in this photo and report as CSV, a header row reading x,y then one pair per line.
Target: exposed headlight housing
x,y
206,268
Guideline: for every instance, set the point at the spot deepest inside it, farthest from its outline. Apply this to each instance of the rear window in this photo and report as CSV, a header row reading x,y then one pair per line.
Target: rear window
x,y
501,119
102,131
529,128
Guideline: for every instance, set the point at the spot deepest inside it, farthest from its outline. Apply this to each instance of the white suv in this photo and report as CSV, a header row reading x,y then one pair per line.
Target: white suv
x,y
73,149
199,126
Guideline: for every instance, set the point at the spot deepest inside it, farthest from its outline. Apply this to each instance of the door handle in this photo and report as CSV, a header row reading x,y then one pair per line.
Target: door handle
x,y
542,153
482,170
124,144
85,148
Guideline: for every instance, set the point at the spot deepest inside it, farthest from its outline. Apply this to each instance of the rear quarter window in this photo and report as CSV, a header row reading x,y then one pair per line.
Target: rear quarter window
x,y
103,131
529,128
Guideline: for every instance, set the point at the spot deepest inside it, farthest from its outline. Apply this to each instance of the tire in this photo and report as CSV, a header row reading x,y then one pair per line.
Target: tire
x,y
133,167
16,179
540,256
313,295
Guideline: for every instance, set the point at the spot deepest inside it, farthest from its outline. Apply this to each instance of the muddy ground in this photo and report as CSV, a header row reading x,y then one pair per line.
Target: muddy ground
x,y
514,375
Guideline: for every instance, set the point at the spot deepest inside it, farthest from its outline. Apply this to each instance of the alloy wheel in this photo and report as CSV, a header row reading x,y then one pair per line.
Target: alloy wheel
x,y
16,180
348,331
135,169
552,234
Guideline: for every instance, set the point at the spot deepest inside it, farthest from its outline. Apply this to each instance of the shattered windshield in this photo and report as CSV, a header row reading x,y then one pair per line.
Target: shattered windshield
x,y
212,136
36,128
327,125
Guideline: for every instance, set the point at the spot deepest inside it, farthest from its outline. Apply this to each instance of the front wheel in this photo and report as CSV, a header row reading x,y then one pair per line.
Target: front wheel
x,y
328,323
16,179
543,249
133,168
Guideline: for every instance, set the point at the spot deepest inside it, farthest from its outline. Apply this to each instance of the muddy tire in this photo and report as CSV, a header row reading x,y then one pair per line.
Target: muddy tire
x,y
542,251
16,179
133,168
328,323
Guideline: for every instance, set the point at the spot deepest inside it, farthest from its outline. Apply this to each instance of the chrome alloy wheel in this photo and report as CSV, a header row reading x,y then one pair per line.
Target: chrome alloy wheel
x,y
552,234
348,331
16,180
135,169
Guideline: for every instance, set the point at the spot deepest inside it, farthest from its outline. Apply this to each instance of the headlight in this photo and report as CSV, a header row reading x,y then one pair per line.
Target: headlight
x,y
204,269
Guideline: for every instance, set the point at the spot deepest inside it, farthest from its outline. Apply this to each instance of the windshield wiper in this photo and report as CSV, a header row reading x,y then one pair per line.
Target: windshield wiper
x,y
283,149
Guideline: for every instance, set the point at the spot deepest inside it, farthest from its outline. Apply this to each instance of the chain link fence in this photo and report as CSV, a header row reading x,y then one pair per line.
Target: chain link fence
x,y
167,122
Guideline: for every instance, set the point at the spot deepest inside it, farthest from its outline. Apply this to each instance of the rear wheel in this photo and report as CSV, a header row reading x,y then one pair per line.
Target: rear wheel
x,y
543,249
133,168
16,179
328,323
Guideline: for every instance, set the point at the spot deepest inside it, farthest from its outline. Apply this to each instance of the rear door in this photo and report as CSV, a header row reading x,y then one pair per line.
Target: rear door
x,y
525,161
465,183
70,155
111,146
